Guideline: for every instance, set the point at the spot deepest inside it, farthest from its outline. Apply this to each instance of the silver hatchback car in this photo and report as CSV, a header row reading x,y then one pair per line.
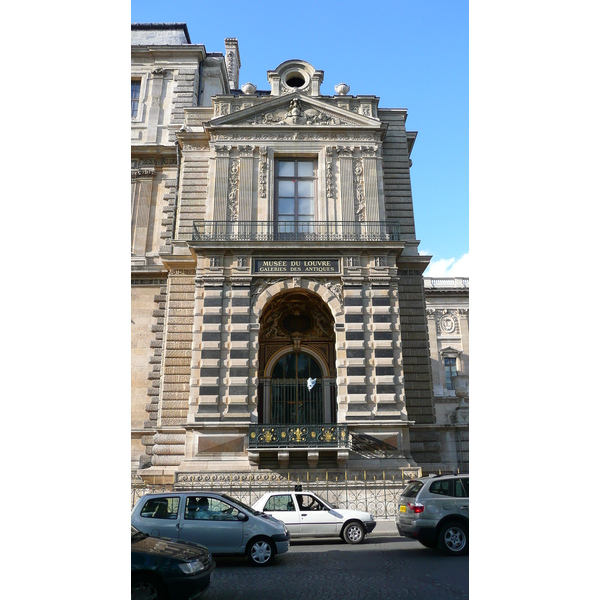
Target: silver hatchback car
x,y
435,511
217,521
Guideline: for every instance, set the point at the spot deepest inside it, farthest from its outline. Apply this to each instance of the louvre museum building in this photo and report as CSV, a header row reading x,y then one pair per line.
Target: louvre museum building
x,y
280,318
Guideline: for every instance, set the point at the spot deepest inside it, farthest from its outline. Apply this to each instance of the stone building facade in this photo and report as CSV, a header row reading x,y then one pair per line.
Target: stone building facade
x,y
278,304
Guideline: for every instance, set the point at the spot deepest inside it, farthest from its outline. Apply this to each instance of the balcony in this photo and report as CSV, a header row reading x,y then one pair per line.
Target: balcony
x,y
307,443
314,231
324,435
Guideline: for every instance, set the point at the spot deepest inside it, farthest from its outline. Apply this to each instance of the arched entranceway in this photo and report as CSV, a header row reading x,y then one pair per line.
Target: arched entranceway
x,y
297,361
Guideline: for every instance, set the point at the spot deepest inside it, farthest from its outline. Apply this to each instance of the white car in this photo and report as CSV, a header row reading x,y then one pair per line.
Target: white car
x,y
307,515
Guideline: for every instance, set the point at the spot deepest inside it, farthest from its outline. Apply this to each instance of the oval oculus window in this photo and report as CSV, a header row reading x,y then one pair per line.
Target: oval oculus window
x,y
295,80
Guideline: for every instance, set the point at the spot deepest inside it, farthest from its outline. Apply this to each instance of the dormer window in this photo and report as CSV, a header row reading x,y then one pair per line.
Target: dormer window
x,y
295,76
295,80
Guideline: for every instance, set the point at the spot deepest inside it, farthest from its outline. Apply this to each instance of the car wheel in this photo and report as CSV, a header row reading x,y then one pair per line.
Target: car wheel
x,y
261,552
453,538
354,533
146,588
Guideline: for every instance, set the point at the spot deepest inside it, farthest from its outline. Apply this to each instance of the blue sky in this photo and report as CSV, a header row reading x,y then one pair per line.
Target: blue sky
x,y
413,55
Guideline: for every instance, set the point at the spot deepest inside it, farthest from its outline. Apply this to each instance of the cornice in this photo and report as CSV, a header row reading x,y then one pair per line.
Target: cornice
x,y
167,50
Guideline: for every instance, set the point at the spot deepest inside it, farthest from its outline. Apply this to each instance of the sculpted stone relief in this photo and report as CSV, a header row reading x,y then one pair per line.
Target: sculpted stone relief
x,y
234,180
296,314
296,113
447,322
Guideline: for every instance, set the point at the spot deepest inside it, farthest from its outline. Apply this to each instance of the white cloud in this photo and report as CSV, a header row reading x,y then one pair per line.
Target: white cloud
x,y
449,267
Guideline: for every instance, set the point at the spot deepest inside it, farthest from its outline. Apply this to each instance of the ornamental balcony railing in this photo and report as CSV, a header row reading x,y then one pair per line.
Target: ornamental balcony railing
x,y
319,231
323,435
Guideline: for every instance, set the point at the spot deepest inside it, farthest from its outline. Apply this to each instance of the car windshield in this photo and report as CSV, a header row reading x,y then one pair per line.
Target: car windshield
x,y
240,504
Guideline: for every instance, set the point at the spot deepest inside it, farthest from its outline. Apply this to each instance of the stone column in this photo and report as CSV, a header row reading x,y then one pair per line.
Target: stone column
x,y
156,91
463,318
238,339
370,183
346,180
358,343
210,350
221,181
141,216
434,348
245,186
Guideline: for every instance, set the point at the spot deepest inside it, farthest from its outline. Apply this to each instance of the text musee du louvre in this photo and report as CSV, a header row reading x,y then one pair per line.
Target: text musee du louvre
x,y
299,265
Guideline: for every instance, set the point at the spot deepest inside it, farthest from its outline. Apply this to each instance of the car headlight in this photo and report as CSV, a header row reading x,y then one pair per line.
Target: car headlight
x,y
189,568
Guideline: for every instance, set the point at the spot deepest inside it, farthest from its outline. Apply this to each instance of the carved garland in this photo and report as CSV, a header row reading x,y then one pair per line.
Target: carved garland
x,y
234,180
329,171
262,172
359,190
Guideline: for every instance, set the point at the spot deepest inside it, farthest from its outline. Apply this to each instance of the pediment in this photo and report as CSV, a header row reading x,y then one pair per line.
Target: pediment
x,y
294,110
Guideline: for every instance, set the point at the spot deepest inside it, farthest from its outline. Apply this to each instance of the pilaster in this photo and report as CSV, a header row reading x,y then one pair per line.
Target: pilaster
x,y
141,216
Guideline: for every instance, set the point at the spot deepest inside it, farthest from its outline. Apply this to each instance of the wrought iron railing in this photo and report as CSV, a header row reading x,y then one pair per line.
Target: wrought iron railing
x,y
292,401
376,491
323,435
321,231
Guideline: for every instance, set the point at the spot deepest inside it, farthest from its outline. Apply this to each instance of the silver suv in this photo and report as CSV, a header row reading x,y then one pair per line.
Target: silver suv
x,y
435,511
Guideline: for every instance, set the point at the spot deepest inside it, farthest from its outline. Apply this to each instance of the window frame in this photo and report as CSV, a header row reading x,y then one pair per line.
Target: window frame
x,y
142,78
298,217
136,99
448,381
173,503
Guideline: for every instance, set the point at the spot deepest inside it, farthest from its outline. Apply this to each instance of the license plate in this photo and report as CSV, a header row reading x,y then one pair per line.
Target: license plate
x,y
403,509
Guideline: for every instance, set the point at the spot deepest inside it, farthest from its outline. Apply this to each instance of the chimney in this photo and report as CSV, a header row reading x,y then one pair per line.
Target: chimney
x,y
233,62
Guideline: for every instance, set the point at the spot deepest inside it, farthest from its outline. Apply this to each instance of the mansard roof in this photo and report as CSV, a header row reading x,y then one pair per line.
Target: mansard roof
x,y
159,34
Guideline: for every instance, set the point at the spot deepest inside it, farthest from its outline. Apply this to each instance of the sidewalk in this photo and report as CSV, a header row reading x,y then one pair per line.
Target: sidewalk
x,y
385,527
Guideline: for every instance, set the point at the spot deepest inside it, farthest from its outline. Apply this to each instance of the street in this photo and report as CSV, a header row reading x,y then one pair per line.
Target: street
x,y
384,566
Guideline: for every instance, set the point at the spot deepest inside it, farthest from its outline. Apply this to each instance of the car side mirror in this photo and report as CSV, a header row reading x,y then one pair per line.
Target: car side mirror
x,y
242,517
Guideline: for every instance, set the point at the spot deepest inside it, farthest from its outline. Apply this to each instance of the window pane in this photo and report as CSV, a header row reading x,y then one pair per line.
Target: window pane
x,y
459,490
135,89
286,226
305,168
286,188
290,366
284,503
278,370
443,488
315,370
286,169
412,489
303,369
306,206
286,206
161,508
305,188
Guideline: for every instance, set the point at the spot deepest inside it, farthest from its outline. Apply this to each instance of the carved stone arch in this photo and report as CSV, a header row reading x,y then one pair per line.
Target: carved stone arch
x,y
307,350
328,297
